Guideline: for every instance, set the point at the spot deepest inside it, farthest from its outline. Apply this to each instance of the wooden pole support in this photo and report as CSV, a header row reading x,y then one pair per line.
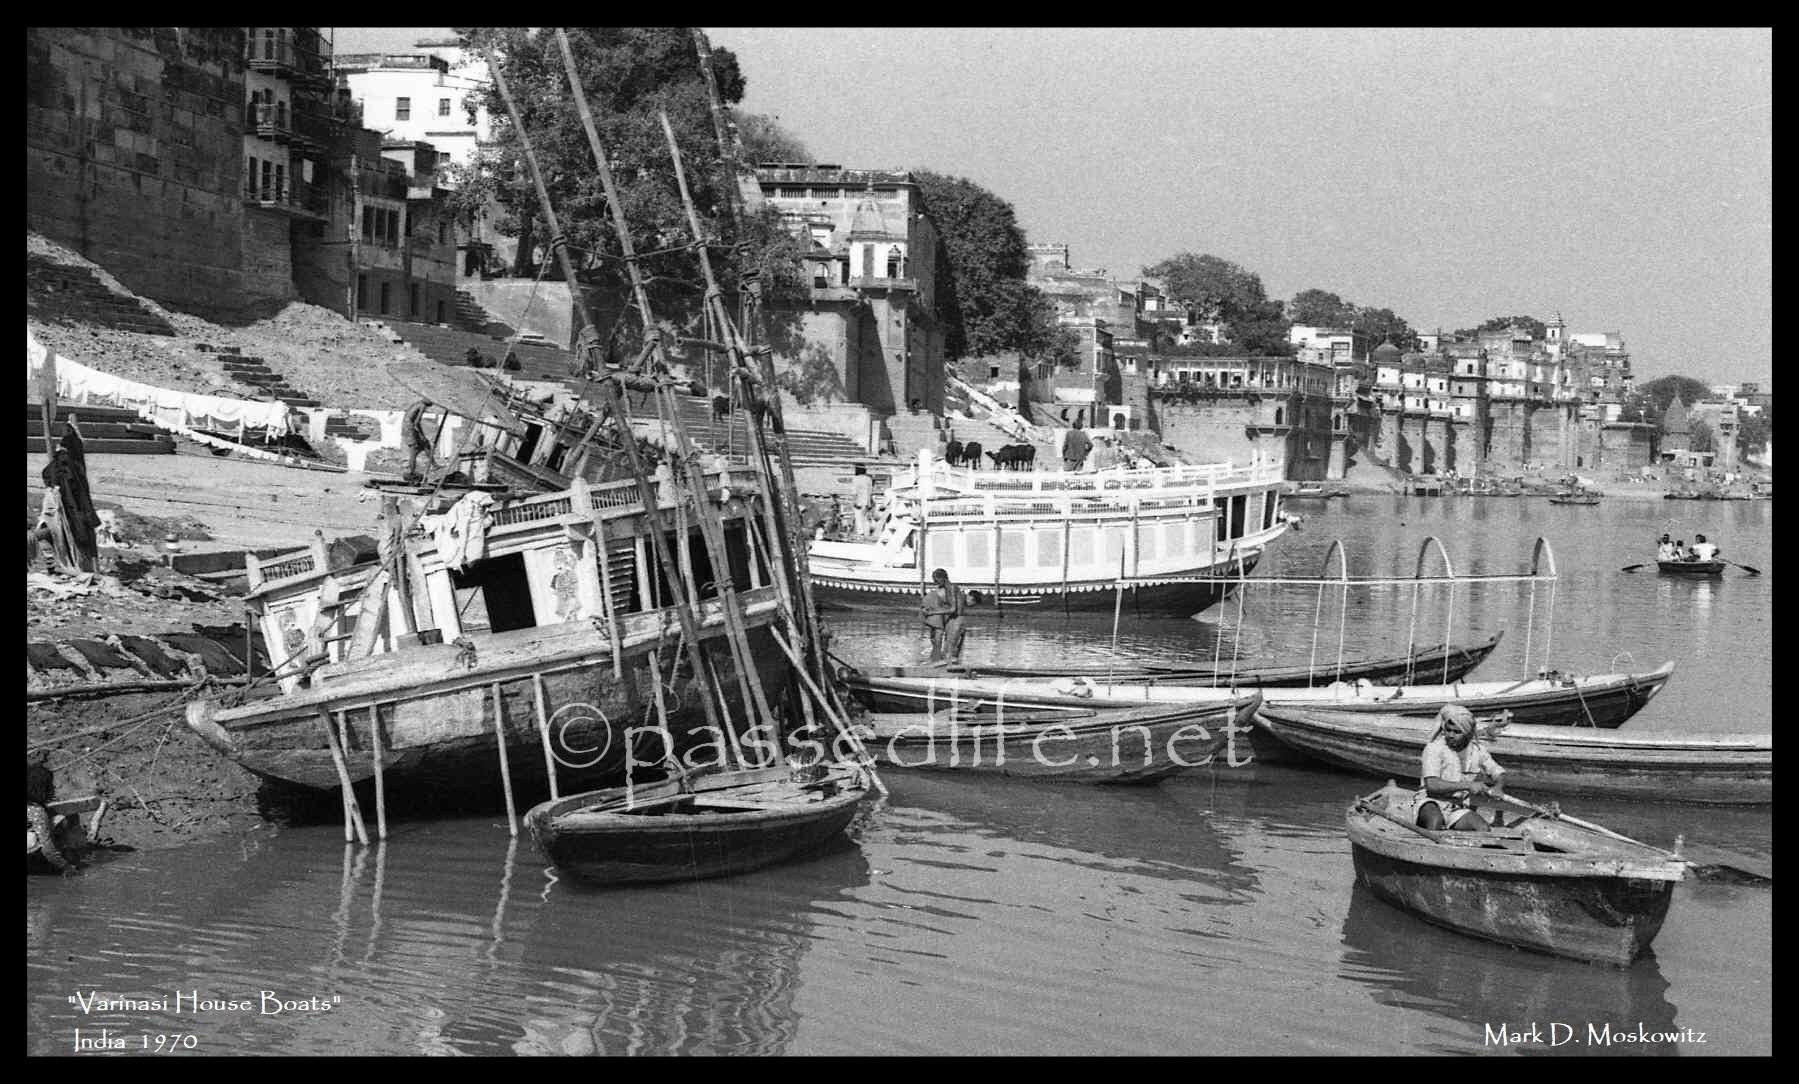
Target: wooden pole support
x,y
499,733
380,776
543,732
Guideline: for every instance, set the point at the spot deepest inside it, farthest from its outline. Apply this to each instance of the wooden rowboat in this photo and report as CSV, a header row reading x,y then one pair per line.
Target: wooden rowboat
x,y
1596,700
1725,769
1125,745
1442,662
1542,884
1691,568
710,826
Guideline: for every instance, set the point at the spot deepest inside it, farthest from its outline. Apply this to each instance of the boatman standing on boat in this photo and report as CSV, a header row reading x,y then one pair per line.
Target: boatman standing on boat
x,y
1456,769
943,619
862,499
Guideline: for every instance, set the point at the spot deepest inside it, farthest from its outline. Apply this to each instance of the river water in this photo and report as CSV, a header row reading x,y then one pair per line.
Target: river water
x,y
1213,914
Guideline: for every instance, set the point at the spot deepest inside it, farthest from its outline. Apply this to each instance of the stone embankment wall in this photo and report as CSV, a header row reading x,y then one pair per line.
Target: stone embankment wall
x,y
134,155
1515,436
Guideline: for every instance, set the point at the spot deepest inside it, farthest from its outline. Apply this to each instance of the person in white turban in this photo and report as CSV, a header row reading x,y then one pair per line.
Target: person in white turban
x,y
1456,770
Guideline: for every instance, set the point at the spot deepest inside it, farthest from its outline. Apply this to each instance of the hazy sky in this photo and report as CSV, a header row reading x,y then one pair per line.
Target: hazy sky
x,y
1621,177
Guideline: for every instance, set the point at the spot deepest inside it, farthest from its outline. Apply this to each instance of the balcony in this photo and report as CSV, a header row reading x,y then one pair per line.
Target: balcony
x,y
295,198
869,282
271,121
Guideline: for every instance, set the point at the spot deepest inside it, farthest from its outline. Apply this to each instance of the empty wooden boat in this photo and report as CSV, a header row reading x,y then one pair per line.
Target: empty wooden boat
x,y
1727,769
706,826
1540,883
1596,700
1441,662
1119,745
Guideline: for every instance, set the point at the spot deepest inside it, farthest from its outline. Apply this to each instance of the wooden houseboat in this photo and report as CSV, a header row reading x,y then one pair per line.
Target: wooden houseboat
x,y
1164,537
550,610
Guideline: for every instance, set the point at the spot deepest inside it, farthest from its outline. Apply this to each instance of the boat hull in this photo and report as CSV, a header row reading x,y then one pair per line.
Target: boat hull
x,y
1602,920
443,736
1600,702
686,843
1104,747
1162,596
1431,664
1690,568
1722,770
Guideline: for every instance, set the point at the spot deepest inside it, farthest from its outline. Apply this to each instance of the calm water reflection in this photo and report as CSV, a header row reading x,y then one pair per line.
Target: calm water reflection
x,y
1212,914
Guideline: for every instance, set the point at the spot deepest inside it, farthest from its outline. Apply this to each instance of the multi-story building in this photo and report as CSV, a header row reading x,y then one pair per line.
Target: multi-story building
x,y
869,297
215,170
433,96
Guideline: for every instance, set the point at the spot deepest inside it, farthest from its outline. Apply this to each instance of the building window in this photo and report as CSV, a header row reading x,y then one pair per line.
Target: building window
x,y
440,313
386,297
443,107
443,159
443,233
992,372
402,108
362,291
412,299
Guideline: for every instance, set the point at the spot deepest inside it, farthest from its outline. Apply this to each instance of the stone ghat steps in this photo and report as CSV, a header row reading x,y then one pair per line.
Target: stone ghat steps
x,y
450,346
87,414
75,294
473,317
254,373
114,659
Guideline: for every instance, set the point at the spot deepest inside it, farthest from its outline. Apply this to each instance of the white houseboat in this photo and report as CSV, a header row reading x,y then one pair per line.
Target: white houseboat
x,y
1056,539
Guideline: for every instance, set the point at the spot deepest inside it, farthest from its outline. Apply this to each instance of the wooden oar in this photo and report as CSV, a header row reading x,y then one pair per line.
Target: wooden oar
x,y
1708,871
1633,568
1746,568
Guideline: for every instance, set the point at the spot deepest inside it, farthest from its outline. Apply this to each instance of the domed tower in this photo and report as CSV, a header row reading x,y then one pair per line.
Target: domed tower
x,y
876,250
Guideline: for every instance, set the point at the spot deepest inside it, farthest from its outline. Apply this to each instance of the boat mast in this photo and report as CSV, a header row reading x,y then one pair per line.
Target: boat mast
x,y
711,528
610,400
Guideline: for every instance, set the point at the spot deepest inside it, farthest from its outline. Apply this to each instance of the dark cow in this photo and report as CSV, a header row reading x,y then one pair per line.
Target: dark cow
x,y
952,453
1014,457
971,454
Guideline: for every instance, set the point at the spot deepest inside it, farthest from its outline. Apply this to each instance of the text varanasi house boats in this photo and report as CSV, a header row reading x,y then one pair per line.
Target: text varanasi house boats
x,y
1169,538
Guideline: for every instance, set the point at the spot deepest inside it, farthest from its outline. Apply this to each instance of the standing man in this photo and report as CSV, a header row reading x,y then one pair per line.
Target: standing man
x,y
943,619
862,499
1075,448
412,435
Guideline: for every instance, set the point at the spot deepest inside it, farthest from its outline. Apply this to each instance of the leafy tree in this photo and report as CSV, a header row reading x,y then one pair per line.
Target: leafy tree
x,y
630,75
1753,433
1374,326
1537,329
1661,391
1320,308
1214,288
983,301
1702,439
765,140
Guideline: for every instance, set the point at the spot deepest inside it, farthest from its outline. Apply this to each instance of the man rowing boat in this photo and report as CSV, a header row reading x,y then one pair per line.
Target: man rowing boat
x,y
1456,769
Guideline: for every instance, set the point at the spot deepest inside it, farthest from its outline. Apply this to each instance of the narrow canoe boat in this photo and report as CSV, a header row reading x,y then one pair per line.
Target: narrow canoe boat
x,y
1442,662
1575,498
1542,884
1691,568
1723,769
1597,700
709,826
1123,745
